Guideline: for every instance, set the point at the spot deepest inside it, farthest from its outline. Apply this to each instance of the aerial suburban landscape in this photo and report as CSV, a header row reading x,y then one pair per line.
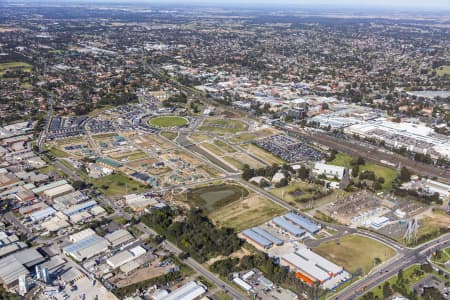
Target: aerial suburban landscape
x,y
176,150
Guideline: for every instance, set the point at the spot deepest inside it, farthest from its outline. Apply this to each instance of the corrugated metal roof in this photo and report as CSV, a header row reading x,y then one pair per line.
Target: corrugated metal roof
x,y
257,238
304,222
267,235
288,226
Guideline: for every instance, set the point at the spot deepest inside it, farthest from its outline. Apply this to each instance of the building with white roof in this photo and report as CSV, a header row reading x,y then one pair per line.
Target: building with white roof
x,y
328,170
189,291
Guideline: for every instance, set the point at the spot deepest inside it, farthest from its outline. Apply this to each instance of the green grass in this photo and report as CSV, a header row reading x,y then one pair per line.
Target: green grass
x,y
444,257
168,121
355,251
212,148
170,135
14,65
132,156
234,162
250,136
213,197
305,192
224,146
223,126
388,174
197,137
262,154
342,160
117,184
222,296
246,213
442,71
57,152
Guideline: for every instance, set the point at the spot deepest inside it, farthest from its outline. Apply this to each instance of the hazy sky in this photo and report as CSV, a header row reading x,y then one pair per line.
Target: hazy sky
x,y
356,3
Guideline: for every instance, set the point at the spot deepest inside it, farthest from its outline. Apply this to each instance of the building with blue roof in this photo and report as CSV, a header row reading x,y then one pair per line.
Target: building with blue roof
x,y
267,236
256,240
288,226
303,222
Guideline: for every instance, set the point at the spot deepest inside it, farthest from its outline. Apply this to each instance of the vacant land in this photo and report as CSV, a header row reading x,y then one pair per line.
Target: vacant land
x,y
198,137
117,184
250,136
14,65
388,174
168,121
223,126
251,211
355,252
169,135
212,148
224,146
431,224
262,154
129,156
211,198
442,71
234,162
298,192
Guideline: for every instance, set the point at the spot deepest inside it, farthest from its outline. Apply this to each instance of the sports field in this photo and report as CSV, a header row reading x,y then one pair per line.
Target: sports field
x,y
223,126
168,121
355,251
214,197
251,211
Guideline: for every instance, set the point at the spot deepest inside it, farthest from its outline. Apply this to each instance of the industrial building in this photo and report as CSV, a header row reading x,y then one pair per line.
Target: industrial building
x,y
311,267
288,226
256,240
61,190
80,207
119,237
45,187
260,238
189,291
42,214
328,170
303,222
87,247
124,257
15,265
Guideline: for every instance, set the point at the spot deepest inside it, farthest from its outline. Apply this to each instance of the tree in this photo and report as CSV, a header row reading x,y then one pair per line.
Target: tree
x,y
355,171
405,175
303,173
387,290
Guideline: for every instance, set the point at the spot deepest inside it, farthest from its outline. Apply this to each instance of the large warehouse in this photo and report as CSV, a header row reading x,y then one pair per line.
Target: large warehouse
x,y
189,291
260,238
87,248
303,222
288,226
124,257
311,267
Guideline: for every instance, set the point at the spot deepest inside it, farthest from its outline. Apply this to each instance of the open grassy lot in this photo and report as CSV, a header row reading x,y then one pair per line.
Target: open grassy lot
x,y
169,135
55,152
14,65
117,184
168,121
130,156
198,137
213,197
223,126
412,275
212,148
234,162
442,258
431,223
224,146
298,192
380,171
262,154
355,251
251,211
442,71
250,136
